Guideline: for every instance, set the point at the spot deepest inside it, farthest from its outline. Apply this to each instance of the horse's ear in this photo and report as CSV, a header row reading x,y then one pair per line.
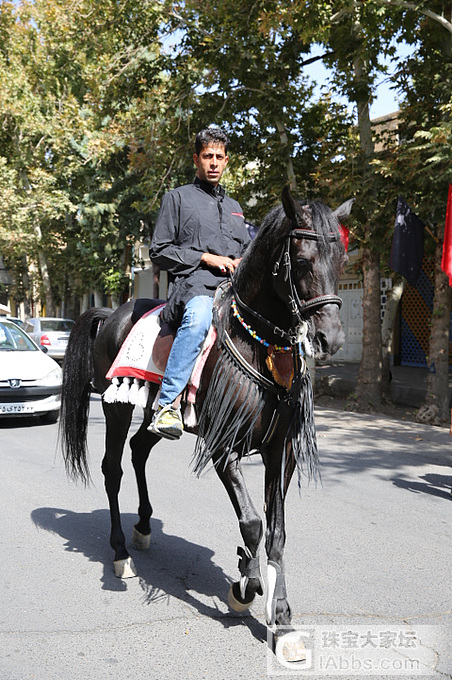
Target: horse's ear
x,y
289,204
344,210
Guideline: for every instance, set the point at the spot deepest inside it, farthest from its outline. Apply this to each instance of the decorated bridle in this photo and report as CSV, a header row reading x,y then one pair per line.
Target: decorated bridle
x,y
287,291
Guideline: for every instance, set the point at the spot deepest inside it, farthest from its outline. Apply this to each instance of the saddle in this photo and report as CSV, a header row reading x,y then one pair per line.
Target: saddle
x,y
164,340
162,346
143,357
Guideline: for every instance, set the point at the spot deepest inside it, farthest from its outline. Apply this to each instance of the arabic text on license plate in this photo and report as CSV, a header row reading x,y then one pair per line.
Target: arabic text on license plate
x,y
16,408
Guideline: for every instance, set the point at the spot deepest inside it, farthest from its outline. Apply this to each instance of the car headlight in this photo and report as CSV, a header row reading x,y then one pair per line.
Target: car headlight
x,y
52,379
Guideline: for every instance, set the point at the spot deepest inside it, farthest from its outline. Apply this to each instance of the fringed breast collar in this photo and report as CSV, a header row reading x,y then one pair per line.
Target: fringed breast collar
x,y
235,399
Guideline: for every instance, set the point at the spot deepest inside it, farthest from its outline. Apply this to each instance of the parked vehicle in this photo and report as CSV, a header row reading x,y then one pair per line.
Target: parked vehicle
x,y
30,381
16,320
50,332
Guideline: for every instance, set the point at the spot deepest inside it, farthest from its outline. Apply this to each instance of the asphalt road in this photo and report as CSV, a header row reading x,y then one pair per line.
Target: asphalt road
x,y
370,548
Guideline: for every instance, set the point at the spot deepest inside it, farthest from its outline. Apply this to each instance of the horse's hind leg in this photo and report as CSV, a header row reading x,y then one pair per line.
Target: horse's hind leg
x,y
118,418
242,593
141,444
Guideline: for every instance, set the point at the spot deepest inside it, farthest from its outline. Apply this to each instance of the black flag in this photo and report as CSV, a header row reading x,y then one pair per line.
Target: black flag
x,y
407,249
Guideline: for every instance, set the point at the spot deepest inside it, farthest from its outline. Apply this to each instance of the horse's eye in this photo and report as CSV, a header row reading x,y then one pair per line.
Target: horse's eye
x,y
303,266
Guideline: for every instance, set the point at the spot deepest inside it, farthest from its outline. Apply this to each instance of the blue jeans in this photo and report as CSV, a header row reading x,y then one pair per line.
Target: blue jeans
x,y
187,345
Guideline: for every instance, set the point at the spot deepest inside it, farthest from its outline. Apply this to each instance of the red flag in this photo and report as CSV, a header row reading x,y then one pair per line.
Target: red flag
x,y
344,236
446,262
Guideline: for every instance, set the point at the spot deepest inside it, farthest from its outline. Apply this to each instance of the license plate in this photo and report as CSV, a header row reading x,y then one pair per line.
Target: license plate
x,y
62,341
16,408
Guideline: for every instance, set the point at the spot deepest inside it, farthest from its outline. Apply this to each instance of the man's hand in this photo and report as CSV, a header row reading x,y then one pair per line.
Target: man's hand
x,y
220,262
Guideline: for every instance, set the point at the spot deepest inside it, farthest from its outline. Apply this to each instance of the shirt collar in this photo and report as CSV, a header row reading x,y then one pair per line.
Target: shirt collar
x,y
209,188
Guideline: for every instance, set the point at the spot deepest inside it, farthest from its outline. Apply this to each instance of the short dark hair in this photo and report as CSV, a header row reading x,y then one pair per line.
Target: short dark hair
x,y
209,135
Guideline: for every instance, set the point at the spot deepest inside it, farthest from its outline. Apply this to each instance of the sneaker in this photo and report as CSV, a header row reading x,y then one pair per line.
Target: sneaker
x,y
167,422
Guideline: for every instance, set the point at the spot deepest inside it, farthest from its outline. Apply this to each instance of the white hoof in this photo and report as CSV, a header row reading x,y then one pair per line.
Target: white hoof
x,y
125,568
290,648
140,541
235,604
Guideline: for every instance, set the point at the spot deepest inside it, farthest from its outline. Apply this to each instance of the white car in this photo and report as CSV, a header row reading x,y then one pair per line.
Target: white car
x,y
30,381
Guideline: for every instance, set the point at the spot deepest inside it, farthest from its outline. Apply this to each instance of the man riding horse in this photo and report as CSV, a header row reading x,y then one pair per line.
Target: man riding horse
x,y
254,392
199,236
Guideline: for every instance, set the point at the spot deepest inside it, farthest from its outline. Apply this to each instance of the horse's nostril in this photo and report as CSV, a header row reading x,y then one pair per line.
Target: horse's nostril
x,y
322,342
327,345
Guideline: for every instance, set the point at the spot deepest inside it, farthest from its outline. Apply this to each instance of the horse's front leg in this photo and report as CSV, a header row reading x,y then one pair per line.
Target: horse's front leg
x,y
277,609
242,593
118,417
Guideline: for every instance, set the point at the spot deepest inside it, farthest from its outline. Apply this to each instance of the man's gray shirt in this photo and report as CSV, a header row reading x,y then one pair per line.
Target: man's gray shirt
x,y
195,219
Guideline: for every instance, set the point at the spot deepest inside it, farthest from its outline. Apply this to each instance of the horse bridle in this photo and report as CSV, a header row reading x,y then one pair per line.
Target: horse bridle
x,y
287,291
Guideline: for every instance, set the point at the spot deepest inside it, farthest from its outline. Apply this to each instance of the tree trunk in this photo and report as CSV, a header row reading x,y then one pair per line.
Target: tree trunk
x,y
387,332
435,409
289,167
27,296
84,303
45,278
368,389
42,260
98,298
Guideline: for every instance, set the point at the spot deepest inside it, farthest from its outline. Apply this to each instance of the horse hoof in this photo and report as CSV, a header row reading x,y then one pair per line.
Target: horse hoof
x,y
290,648
141,541
235,604
125,568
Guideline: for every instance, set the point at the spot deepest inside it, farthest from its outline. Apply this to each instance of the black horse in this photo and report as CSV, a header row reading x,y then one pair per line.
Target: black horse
x,y
255,392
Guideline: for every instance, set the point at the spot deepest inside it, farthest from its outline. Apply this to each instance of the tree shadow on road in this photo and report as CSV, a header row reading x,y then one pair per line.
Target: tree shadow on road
x,y
172,567
435,485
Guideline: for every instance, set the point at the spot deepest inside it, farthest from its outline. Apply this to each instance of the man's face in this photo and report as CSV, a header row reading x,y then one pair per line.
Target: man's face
x,y
211,163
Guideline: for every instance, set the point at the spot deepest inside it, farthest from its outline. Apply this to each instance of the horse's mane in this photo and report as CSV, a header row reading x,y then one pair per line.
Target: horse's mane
x,y
324,223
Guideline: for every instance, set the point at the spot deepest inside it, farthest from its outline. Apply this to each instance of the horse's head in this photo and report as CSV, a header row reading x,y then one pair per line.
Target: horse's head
x,y
308,270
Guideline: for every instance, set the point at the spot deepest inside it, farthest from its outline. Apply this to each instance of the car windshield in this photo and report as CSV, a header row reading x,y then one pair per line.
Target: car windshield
x,y
13,339
58,325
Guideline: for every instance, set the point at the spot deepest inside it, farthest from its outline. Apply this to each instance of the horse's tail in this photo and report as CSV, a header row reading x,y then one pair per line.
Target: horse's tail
x,y
76,390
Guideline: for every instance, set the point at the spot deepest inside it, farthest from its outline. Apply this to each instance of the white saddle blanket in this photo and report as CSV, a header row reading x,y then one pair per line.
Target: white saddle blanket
x,y
133,368
134,359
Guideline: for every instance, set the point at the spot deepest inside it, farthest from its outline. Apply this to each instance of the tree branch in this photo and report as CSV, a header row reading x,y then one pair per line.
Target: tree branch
x,y
188,23
427,12
403,5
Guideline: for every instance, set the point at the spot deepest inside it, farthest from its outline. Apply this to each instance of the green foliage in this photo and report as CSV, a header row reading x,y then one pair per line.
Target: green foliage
x,y
420,167
253,85
87,101
101,101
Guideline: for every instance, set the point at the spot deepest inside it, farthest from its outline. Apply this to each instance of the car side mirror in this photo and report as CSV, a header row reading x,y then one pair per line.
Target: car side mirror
x,y
44,349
